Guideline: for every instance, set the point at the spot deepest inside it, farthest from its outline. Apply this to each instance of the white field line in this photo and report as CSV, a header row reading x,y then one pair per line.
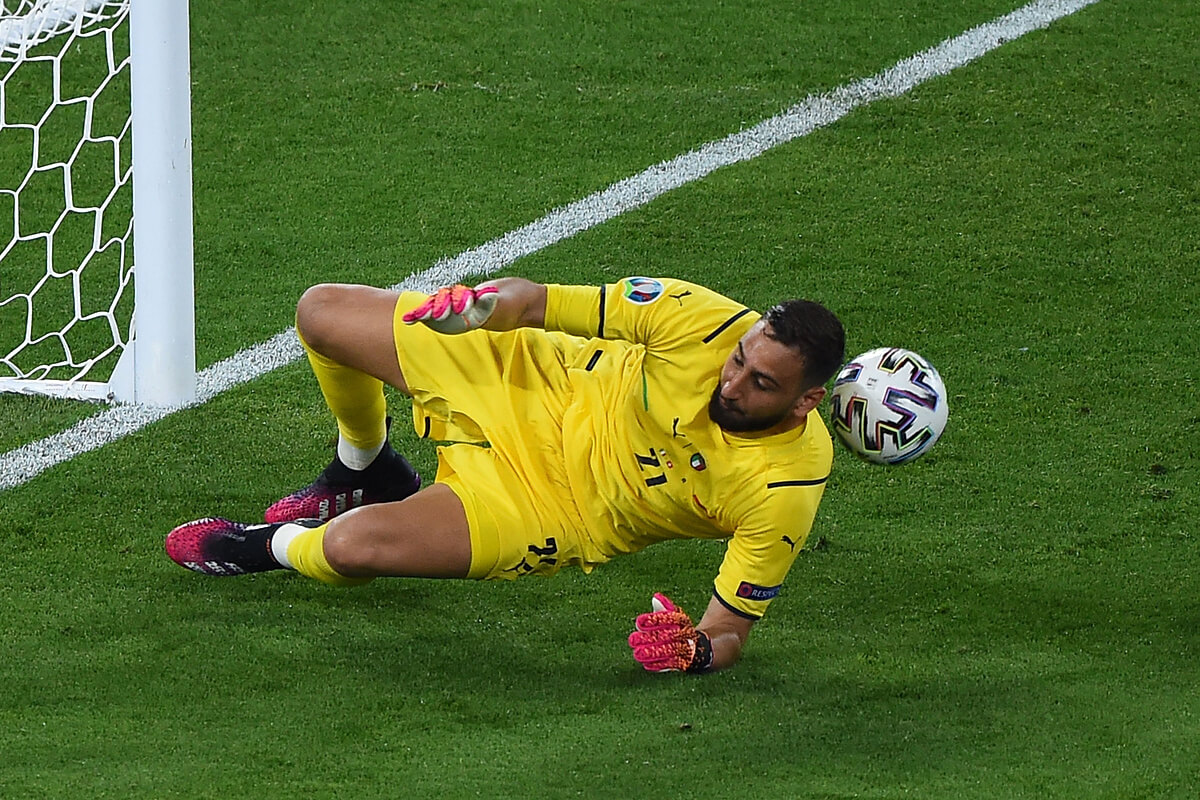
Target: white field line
x,y
24,463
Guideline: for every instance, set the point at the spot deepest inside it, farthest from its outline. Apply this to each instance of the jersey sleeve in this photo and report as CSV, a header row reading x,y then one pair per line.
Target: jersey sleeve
x,y
656,312
765,544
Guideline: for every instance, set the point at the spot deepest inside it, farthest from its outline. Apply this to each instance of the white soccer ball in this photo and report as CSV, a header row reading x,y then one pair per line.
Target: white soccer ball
x,y
889,405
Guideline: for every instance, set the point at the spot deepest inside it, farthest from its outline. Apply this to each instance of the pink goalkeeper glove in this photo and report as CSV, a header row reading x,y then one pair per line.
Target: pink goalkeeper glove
x,y
455,309
666,640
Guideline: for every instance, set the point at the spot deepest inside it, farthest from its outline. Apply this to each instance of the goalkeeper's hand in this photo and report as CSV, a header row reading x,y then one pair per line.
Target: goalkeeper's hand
x,y
455,309
666,640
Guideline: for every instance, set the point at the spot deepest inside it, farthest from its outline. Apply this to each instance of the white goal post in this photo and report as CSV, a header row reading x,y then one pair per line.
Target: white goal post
x,y
96,271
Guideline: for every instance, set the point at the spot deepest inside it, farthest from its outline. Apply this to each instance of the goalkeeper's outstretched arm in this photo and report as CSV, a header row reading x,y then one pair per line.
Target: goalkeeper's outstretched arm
x,y
520,303
499,305
665,640
727,632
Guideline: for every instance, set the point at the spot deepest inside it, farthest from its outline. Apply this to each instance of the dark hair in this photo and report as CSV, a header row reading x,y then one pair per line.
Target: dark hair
x,y
814,331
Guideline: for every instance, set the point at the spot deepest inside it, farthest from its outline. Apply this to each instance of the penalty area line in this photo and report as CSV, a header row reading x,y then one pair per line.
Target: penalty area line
x,y
22,464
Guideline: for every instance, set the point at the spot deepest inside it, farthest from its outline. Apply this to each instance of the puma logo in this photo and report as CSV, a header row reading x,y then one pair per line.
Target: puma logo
x,y
791,544
679,297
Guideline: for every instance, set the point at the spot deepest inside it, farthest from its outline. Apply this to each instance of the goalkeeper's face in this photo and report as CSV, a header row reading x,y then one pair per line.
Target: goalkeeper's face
x,y
762,387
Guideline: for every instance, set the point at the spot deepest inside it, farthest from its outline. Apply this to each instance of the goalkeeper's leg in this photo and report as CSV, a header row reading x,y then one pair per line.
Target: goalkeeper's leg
x,y
425,536
348,336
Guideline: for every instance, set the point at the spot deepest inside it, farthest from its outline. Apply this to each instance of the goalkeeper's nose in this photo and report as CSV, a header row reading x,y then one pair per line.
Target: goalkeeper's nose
x,y
729,399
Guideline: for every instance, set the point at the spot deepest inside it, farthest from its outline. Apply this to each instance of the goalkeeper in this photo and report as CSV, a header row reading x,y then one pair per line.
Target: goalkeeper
x,y
582,422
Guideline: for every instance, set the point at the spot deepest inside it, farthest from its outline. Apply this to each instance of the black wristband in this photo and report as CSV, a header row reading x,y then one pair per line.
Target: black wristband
x,y
702,659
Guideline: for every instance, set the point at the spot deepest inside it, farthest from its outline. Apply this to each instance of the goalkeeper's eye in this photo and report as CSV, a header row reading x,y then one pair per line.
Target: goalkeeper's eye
x,y
762,381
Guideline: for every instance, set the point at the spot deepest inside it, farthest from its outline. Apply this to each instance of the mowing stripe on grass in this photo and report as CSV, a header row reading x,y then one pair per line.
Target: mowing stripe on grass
x,y
24,463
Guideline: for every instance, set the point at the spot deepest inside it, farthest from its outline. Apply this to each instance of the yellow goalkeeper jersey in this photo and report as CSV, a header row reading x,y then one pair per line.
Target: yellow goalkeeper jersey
x,y
645,461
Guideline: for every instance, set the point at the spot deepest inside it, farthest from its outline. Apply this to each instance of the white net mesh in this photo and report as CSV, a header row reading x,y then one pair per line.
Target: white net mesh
x,y
66,200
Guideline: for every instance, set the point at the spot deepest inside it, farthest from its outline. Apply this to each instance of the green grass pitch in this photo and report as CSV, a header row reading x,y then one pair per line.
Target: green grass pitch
x,y
1016,615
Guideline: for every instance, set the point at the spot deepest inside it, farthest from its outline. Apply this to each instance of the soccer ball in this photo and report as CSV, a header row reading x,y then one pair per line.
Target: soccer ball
x,y
889,405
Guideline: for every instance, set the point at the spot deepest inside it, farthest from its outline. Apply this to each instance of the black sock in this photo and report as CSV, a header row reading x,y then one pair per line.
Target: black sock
x,y
249,549
388,469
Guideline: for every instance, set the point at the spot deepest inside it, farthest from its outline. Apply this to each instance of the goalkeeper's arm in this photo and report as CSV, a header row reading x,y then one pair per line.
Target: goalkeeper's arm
x,y
727,632
665,640
498,305
521,304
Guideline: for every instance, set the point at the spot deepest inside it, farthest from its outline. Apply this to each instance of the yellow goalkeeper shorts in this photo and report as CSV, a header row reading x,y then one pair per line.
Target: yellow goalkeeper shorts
x,y
499,400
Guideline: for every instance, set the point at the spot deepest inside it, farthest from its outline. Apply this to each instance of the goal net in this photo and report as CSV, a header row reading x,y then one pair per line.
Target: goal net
x,y
94,161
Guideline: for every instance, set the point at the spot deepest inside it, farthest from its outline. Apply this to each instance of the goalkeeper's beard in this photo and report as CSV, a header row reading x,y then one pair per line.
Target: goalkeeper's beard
x,y
731,419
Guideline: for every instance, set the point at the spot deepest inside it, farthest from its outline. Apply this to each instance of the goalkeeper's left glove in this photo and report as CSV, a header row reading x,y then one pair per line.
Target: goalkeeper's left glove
x,y
666,640
455,309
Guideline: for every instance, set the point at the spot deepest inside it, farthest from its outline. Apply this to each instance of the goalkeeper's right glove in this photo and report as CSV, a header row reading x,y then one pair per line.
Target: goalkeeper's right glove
x,y
455,309
666,640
